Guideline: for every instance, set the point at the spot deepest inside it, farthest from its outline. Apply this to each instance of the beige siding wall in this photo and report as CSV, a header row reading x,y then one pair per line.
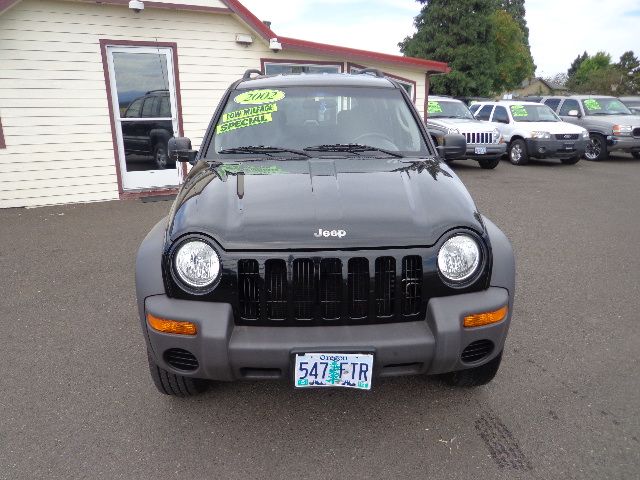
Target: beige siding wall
x,y
53,100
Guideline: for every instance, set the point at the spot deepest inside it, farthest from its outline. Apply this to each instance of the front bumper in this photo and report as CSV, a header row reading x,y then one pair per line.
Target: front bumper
x,y
541,148
626,144
226,351
493,151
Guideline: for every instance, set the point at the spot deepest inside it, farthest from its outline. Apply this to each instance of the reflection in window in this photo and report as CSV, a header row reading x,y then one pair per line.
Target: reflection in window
x,y
294,68
406,85
142,86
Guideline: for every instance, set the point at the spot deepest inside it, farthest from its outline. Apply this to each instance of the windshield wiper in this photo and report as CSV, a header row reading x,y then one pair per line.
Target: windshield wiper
x,y
262,149
350,148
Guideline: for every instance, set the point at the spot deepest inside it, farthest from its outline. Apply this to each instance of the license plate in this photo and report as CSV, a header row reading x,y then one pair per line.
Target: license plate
x,y
568,146
347,370
481,150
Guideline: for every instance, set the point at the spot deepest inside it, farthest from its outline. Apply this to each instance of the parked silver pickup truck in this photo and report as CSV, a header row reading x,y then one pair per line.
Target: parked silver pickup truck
x,y
611,125
484,142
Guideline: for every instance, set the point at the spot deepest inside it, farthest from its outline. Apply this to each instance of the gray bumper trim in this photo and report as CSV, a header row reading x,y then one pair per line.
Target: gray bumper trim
x,y
229,352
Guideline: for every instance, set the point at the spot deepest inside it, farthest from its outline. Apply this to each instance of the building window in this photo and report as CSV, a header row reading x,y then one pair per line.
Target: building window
x,y
272,68
408,85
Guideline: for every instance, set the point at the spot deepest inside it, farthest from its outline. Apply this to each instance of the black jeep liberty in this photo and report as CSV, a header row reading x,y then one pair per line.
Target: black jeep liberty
x,y
319,238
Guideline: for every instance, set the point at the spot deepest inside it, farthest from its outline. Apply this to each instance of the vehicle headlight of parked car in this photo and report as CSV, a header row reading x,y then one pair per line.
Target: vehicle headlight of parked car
x,y
496,135
585,134
459,258
541,135
195,265
453,131
622,130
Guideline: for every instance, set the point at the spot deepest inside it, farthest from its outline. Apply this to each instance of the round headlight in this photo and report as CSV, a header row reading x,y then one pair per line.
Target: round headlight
x,y
197,264
459,258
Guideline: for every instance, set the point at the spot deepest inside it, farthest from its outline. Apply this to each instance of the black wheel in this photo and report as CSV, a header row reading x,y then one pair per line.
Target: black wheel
x,y
596,148
636,155
571,160
474,377
518,152
175,385
489,164
161,156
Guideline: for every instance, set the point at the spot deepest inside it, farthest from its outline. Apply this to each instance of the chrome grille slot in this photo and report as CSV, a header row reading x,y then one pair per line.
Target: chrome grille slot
x,y
411,285
275,282
385,286
304,289
330,288
358,287
249,289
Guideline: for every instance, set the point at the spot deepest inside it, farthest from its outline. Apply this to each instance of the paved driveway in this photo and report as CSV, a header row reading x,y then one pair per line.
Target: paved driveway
x,y
76,399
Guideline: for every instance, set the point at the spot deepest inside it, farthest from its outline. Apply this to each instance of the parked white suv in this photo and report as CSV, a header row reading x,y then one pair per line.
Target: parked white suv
x,y
484,142
533,130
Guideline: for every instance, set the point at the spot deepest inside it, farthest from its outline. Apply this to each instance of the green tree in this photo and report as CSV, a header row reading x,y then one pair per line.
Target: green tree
x,y
629,67
461,34
513,57
517,10
575,65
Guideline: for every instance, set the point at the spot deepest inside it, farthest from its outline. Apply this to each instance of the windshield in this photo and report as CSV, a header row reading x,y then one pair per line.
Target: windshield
x,y
292,119
605,106
533,113
447,109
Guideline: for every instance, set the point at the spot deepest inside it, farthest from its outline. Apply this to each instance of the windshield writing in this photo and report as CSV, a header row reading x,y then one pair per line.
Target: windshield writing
x,y
294,118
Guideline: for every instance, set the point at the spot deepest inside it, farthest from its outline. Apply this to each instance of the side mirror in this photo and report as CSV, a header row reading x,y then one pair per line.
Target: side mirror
x,y
574,113
179,149
453,146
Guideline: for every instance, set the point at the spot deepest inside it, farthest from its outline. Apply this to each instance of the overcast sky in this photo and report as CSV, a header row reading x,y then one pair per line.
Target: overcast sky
x,y
560,30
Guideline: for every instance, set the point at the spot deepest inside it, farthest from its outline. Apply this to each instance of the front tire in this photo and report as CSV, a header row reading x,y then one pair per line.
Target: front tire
x,y
175,385
489,164
518,152
596,148
161,156
570,161
476,376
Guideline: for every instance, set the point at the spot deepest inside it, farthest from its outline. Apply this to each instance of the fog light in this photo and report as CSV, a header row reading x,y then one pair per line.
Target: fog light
x,y
171,326
486,318
541,150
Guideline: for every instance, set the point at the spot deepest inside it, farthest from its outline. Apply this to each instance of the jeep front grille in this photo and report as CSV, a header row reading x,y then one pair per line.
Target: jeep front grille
x,y
314,291
479,137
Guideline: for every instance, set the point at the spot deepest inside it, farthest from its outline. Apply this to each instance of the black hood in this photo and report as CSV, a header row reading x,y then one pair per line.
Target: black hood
x,y
361,203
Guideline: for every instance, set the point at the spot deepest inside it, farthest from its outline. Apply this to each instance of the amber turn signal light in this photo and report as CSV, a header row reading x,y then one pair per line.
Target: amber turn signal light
x,y
487,318
171,326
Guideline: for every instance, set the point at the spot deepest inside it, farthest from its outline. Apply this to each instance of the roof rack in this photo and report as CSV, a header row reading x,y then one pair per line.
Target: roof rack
x,y
375,71
247,74
157,90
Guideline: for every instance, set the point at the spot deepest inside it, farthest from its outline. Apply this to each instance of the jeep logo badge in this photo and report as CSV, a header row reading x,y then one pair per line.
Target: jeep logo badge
x,y
567,136
330,233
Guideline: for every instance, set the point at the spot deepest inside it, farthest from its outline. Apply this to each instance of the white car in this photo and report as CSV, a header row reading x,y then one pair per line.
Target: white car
x,y
484,143
533,130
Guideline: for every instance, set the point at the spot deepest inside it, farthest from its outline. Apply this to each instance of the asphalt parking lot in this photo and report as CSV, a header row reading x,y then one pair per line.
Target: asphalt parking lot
x,y
77,401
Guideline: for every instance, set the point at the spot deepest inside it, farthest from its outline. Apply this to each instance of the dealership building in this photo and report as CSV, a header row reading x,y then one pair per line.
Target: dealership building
x,y
77,76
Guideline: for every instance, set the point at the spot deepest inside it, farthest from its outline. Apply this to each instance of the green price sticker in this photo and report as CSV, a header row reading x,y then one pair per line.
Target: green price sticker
x,y
258,97
243,123
592,104
519,111
250,112
434,107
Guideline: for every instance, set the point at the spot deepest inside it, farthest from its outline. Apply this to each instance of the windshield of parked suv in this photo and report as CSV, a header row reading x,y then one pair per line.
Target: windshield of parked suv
x,y
533,113
448,109
289,120
605,106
